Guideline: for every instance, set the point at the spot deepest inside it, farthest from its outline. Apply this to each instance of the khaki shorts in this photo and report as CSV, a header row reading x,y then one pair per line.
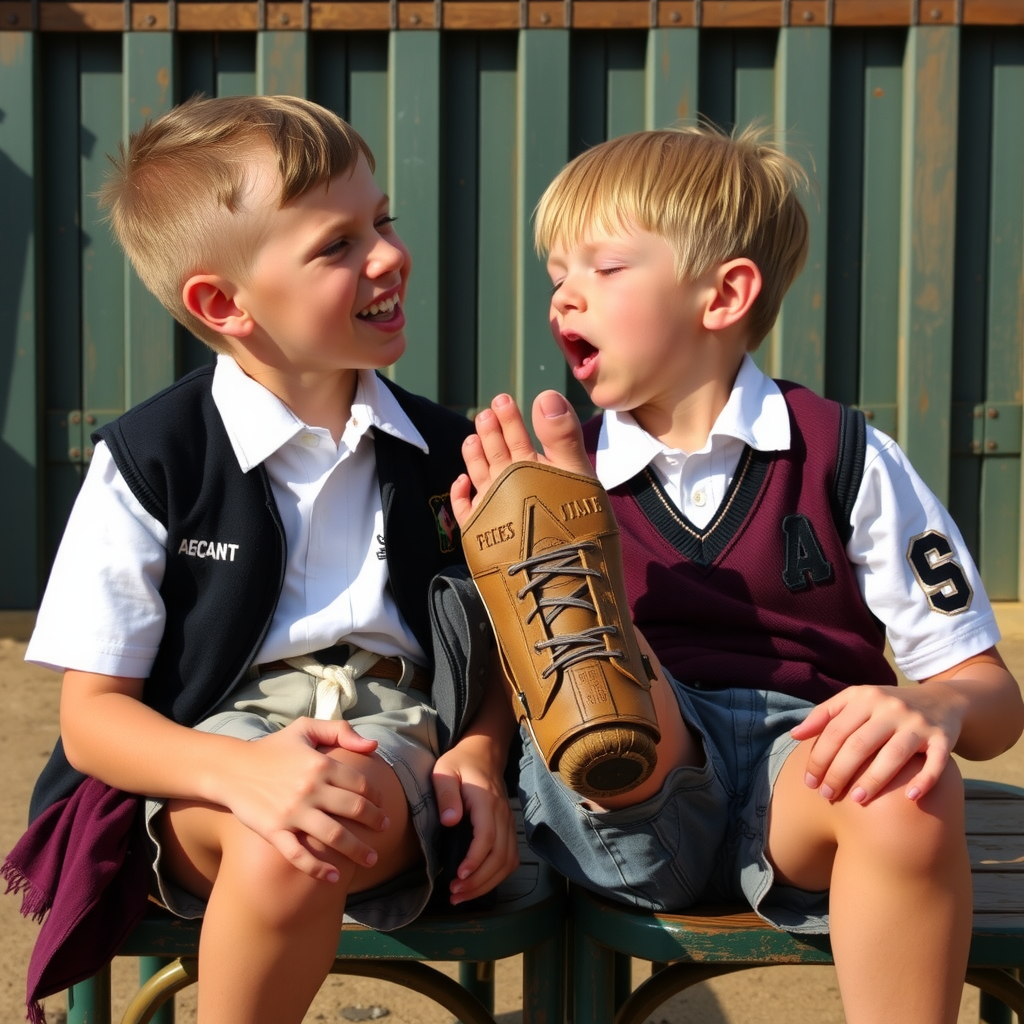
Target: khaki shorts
x,y
406,733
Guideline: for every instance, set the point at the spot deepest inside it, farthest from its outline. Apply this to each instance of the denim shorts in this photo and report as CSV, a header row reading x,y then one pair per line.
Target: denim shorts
x,y
405,729
702,837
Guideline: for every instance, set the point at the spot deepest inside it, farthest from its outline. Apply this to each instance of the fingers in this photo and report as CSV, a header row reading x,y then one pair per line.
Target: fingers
x,y
462,497
479,468
332,796
449,797
861,742
558,429
493,853
304,849
926,779
338,733
350,794
502,438
507,439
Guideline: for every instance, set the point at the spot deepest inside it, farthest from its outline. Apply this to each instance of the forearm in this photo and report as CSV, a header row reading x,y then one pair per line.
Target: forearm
x,y
991,708
493,722
110,734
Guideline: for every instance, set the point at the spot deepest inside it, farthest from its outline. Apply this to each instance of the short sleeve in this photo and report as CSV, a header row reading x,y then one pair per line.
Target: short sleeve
x,y
101,610
914,568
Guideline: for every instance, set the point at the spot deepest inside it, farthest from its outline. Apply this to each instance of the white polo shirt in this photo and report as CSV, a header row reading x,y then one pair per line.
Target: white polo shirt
x,y
102,611
892,507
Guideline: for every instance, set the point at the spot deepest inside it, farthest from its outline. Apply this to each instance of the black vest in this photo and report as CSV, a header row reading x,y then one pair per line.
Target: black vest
x,y
176,458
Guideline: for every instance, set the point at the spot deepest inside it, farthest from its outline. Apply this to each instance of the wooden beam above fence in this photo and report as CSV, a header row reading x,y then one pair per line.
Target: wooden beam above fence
x,y
364,15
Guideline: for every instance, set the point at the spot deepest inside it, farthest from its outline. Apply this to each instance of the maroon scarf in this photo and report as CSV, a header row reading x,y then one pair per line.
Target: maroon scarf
x,y
83,870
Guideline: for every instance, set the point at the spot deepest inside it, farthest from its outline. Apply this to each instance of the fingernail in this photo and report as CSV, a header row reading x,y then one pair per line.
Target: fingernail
x,y
553,405
332,876
858,795
449,816
501,400
384,824
371,858
913,793
811,781
827,792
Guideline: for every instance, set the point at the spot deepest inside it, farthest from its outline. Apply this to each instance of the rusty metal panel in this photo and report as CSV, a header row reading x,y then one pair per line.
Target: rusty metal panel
x,y
882,92
910,306
803,61
926,253
493,330
414,185
542,147
673,60
282,61
148,68
999,543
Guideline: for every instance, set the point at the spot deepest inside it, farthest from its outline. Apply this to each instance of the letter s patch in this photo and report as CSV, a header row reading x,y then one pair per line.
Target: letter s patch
x,y
941,578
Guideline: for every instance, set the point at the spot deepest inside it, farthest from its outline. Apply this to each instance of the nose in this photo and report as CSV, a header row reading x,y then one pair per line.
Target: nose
x,y
387,255
567,296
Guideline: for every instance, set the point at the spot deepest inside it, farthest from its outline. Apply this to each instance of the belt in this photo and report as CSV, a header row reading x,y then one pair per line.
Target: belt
x,y
406,673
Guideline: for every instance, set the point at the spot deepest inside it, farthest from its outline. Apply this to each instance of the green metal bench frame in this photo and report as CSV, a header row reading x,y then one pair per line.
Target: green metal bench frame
x,y
707,942
684,949
529,919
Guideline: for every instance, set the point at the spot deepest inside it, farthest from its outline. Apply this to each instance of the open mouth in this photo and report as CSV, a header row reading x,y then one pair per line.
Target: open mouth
x,y
580,355
382,310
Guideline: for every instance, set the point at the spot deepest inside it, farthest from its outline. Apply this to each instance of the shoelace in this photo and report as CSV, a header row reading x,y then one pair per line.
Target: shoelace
x,y
568,648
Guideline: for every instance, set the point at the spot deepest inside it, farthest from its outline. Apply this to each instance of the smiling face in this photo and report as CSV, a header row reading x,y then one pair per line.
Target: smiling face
x,y
326,288
625,323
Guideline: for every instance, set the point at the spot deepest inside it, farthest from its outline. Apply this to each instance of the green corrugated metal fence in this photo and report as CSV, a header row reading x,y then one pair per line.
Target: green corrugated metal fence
x,y
910,306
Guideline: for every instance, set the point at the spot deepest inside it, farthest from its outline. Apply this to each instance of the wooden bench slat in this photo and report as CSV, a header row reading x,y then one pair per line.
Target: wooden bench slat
x,y
993,816
998,891
996,853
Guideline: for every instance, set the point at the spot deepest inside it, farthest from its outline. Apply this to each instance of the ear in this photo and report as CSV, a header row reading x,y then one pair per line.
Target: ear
x,y
737,284
211,299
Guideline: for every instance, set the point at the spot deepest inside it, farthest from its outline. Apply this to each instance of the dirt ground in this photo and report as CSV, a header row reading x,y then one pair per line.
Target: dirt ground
x,y
795,995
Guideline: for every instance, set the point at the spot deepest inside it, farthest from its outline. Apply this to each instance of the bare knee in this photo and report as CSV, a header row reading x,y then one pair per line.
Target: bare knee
x,y
915,835
890,832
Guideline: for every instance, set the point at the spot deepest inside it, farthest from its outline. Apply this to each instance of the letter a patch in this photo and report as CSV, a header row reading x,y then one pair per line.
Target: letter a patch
x,y
805,561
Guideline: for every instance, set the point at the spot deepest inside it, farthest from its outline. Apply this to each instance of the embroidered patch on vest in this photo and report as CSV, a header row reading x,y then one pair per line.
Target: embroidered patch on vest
x,y
805,561
444,520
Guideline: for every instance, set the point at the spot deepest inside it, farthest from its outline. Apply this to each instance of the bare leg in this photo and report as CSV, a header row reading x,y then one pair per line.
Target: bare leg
x,y
270,931
900,889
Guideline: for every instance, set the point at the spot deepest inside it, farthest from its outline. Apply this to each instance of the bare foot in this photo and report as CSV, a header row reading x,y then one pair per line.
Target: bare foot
x,y
501,438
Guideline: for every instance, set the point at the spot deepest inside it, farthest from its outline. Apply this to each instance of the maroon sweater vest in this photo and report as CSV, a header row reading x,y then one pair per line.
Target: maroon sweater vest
x,y
764,596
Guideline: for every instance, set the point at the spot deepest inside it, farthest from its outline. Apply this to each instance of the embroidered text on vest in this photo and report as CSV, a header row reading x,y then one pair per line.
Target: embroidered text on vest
x,y
219,551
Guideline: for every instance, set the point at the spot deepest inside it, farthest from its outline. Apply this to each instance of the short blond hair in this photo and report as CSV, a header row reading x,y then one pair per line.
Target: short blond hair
x,y
713,197
175,193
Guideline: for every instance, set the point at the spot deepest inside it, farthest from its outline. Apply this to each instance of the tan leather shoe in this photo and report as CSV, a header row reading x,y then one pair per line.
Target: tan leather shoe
x,y
543,549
